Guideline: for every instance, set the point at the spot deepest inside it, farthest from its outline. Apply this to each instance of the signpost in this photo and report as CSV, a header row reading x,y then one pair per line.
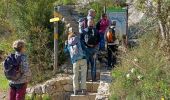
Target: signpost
x,y
119,15
55,21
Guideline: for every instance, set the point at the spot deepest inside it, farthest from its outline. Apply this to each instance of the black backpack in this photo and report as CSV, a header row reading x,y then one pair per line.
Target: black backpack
x,y
83,23
12,67
91,38
98,25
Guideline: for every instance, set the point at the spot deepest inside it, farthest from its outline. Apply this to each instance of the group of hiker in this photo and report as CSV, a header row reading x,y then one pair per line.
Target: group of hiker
x,y
84,46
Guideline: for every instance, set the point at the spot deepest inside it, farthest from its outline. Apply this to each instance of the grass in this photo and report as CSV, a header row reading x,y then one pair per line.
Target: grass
x,y
6,46
3,80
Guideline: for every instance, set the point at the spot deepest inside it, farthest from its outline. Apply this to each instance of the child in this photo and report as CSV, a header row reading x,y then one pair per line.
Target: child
x,y
78,59
18,82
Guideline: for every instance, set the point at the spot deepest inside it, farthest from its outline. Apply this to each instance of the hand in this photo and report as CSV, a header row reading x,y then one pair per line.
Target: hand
x,y
66,42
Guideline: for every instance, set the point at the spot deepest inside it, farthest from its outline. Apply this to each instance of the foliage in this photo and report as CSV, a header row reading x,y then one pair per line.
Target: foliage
x,y
143,73
93,5
30,21
3,80
66,2
38,97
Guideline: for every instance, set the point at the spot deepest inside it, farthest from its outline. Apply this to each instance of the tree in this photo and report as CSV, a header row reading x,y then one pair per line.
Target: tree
x,y
161,10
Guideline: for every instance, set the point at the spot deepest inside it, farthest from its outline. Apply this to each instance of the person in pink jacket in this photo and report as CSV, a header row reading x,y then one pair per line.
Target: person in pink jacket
x,y
102,25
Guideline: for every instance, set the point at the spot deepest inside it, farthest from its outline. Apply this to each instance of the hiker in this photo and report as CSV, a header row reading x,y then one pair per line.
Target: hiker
x,y
101,26
78,58
89,40
83,21
17,71
91,14
112,44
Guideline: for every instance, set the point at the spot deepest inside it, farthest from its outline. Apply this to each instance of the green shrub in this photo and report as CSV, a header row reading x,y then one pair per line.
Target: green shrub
x,y
31,20
67,2
143,73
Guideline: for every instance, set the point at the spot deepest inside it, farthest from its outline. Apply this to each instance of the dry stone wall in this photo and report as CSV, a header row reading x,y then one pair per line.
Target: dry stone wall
x,y
57,88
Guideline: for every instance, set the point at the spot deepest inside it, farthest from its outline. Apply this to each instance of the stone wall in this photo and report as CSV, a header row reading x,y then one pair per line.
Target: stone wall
x,y
57,88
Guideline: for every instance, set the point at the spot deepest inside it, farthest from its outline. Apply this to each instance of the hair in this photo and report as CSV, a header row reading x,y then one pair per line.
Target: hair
x,y
91,11
70,34
103,15
113,23
18,45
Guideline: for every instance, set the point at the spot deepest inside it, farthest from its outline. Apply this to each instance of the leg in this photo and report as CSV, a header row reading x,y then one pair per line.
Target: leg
x,y
109,56
114,49
93,67
20,94
12,93
88,65
75,76
83,73
102,42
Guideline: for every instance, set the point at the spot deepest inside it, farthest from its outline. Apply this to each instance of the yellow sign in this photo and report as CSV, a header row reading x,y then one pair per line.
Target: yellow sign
x,y
54,19
55,36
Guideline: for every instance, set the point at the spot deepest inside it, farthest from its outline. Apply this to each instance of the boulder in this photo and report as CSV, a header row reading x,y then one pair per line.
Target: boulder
x,y
68,88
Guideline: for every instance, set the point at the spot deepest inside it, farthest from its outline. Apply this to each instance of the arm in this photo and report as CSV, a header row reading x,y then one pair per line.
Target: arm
x,y
25,68
66,47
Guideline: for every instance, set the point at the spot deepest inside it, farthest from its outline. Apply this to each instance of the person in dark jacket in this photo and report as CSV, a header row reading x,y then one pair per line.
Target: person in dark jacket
x,y
112,44
90,46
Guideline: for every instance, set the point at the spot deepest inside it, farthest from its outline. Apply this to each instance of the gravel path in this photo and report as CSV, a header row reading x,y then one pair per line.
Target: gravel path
x,y
3,95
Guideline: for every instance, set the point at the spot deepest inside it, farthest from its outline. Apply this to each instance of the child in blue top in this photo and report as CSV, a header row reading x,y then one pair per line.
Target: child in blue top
x,y
78,58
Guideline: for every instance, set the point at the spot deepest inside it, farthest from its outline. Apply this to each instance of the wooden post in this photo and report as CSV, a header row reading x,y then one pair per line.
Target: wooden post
x,y
55,44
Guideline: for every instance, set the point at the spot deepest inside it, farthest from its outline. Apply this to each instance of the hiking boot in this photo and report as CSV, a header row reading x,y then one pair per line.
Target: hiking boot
x,y
75,92
84,92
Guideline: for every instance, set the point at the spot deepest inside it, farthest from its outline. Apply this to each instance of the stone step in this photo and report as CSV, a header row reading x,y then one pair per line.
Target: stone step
x,y
89,96
92,86
104,86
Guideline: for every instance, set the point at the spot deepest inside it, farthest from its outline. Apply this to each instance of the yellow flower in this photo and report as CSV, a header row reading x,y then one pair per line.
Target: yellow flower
x,y
162,98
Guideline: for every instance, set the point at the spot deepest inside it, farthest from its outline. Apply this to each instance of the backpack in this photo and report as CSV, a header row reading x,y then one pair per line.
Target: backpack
x,y
110,35
98,25
12,67
91,38
83,23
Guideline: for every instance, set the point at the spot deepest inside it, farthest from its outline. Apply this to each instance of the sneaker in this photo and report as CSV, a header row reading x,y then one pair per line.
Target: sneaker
x,y
84,92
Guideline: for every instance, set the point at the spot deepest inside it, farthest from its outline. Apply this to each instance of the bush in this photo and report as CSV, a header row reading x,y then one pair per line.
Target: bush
x,y
143,73
31,21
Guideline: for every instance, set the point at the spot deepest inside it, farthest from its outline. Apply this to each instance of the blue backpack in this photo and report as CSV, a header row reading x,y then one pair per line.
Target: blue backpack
x,y
12,67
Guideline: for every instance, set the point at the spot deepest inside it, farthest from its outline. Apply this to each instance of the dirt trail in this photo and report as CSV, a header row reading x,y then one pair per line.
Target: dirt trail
x,y
3,95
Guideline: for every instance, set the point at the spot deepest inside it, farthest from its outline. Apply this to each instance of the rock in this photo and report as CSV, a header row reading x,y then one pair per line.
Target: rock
x,y
30,90
58,96
68,88
38,89
51,82
70,81
49,89
43,88
63,82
